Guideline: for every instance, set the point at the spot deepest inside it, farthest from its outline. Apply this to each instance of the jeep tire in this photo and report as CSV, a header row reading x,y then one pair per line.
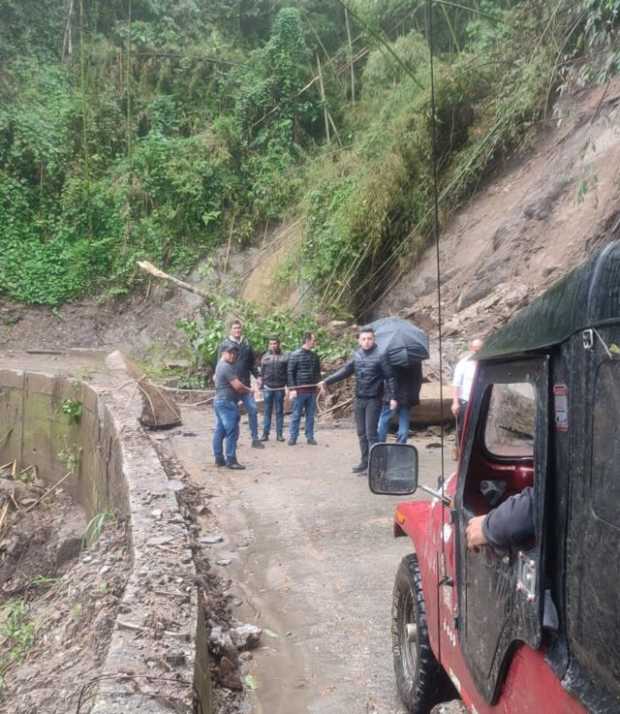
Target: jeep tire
x,y
420,679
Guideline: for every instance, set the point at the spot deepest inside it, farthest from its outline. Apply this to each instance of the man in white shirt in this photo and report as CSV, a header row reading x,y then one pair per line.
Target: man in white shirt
x,y
463,379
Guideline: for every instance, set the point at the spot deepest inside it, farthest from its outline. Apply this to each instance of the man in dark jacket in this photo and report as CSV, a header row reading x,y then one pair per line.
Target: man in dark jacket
x,y
406,395
303,376
244,367
371,372
274,373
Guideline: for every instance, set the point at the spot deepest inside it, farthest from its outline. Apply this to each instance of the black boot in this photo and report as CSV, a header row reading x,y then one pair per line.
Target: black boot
x,y
257,444
234,465
265,437
362,467
220,461
280,437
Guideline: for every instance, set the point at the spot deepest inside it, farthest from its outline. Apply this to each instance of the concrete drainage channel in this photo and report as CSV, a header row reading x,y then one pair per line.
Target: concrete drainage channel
x,y
156,659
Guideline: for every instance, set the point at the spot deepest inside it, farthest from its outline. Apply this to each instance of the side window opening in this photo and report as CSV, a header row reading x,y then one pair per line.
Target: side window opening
x,y
511,421
503,462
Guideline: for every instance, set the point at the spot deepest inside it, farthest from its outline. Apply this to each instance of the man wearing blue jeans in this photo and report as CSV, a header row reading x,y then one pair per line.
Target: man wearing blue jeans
x,y
228,390
403,422
408,381
273,371
303,375
245,366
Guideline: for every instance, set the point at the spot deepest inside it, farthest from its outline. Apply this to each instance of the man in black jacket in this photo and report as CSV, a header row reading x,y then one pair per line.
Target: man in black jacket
x,y
408,381
371,372
274,373
303,376
244,367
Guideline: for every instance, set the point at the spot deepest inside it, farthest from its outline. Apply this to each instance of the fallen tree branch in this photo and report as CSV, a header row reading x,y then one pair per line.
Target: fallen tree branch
x,y
5,510
337,406
49,490
199,404
152,270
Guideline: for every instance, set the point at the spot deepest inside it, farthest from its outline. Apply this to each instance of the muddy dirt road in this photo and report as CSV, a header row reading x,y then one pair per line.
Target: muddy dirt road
x,y
311,556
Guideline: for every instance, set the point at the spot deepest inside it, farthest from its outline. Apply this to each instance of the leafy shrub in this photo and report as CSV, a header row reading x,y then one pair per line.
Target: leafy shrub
x,y
205,333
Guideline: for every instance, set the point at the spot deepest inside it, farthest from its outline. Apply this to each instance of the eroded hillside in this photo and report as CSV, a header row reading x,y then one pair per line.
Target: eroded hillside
x,y
531,223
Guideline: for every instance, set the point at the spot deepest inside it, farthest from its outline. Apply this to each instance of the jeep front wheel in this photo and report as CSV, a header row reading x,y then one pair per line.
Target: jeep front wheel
x,y
421,681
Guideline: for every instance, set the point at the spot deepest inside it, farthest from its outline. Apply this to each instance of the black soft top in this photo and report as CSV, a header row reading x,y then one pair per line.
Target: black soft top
x,y
589,296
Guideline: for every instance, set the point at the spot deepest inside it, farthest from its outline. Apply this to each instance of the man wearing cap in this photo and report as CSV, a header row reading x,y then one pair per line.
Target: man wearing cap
x,y
228,391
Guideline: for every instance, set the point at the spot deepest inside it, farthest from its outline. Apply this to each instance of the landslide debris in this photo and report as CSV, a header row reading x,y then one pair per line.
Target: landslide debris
x,y
61,580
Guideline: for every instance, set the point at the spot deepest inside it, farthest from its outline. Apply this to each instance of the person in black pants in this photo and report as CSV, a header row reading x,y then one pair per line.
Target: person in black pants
x,y
371,370
273,370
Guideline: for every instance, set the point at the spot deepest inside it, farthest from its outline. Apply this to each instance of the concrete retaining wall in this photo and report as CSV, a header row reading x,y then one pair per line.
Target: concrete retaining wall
x,y
152,659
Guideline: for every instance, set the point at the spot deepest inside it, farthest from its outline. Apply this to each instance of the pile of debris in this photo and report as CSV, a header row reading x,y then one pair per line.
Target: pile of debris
x,y
22,493
61,580
230,642
19,490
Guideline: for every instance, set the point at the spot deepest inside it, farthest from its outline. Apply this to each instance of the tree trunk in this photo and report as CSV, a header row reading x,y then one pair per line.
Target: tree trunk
x,y
67,42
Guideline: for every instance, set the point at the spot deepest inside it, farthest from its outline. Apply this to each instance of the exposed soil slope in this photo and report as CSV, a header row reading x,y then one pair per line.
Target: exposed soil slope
x,y
529,226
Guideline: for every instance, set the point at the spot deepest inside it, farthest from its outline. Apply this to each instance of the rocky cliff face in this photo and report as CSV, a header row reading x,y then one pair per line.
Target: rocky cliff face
x,y
534,221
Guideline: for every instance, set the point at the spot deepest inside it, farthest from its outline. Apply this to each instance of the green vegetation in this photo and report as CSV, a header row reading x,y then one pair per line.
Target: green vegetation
x,y
95,528
155,129
206,333
73,409
16,635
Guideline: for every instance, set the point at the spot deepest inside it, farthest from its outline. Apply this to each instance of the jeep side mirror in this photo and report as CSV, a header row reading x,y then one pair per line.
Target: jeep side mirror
x,y
393,469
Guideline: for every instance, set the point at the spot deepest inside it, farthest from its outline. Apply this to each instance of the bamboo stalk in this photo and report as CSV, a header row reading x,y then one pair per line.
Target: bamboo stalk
x,y
348,26
128,81
336,132
322,90
67,41
230,237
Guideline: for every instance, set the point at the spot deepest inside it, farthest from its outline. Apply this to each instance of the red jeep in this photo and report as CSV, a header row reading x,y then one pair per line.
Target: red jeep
x,y
535,628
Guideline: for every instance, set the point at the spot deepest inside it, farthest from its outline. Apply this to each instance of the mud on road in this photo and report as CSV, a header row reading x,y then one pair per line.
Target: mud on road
x,y
310,558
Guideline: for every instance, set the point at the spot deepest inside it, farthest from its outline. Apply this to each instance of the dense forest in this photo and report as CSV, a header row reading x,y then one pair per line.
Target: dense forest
x,y
160,129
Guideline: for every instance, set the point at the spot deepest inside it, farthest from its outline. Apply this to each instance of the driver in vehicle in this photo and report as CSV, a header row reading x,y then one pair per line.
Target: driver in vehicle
x,y
510,525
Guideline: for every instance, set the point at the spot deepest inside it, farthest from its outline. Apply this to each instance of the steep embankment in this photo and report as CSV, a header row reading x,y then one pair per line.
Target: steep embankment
x,y
532,223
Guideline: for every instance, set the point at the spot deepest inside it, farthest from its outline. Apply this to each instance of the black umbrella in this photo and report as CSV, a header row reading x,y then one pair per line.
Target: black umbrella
x,y
402,342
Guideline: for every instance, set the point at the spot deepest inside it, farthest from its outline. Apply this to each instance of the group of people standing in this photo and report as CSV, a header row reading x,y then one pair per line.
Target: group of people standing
x,y
380,392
